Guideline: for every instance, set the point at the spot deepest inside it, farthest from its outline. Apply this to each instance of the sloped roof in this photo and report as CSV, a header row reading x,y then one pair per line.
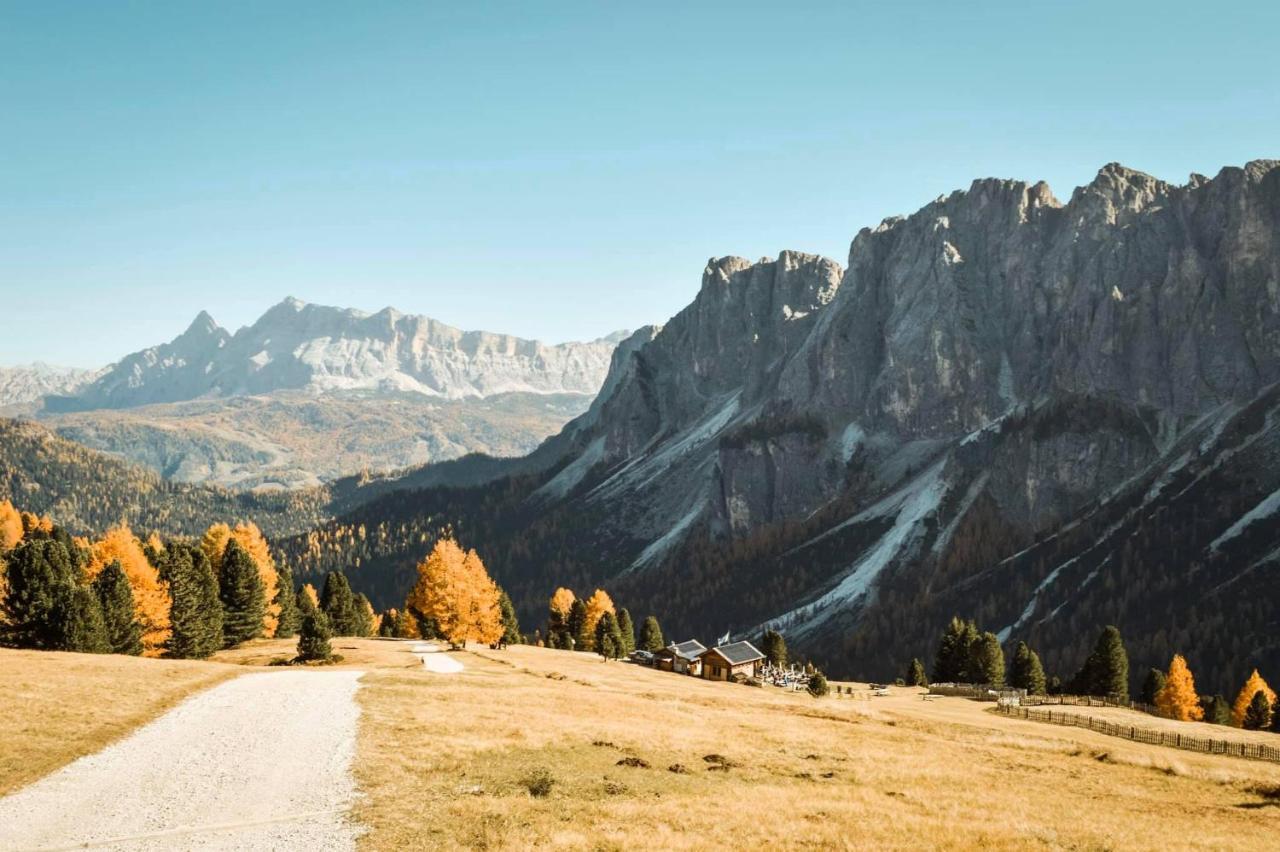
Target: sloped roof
x,y
738,653
690,650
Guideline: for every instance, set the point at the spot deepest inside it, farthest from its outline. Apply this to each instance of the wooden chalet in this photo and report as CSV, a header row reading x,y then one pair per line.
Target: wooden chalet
x,y
683,658
725,662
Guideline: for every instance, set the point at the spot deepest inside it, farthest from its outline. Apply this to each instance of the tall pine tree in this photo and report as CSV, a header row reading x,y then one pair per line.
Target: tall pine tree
x,y
987,660
915,674
289,619
576,625
364,615
1257,717
338,605
1151,685
955,652
1106,671
40,575
196,613
774,647
79,617
243,596
1027,672
121,627
313,639
651,635
628,630
1177,699
510,623
608,639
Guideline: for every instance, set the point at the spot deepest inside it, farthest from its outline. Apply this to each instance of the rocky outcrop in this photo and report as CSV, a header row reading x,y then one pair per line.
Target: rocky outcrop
x,y
28,384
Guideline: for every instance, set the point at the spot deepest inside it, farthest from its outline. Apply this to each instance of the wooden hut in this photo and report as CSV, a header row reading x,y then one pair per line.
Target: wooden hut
x,y
682,658
723,662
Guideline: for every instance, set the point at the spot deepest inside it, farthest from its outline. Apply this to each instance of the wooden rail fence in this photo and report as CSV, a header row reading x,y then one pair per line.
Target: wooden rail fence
x,y
1138,734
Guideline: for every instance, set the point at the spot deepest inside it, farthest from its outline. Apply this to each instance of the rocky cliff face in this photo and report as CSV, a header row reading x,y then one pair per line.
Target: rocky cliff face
x,y
298,346
855,455
24,385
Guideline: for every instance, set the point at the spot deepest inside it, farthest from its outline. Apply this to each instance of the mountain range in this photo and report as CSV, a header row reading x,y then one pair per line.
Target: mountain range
x,y
309,393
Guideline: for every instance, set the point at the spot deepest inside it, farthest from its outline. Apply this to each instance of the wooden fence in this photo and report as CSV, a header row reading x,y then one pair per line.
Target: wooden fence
x,y
1171,739
1087,701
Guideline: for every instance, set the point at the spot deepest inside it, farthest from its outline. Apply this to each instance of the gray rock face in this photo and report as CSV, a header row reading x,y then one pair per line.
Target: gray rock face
x,y
297,346
983,371
28,384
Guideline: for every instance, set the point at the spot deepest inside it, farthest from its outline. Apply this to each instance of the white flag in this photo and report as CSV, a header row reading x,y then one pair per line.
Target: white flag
x,y
723,639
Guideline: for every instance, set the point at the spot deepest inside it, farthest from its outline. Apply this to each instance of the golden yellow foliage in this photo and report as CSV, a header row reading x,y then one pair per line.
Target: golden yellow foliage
x,y
1177,699
310,591
11,529
562,600
32,522
150,593
455,591
249,537
1252,686
597,605
155,543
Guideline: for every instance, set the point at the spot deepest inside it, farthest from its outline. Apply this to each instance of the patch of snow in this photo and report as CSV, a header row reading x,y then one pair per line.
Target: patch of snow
x,y
1117,294
788,314
261,360
850,440
1269,506
951,254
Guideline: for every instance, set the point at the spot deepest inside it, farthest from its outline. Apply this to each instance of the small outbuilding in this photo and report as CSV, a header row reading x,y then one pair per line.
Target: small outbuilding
x,y
724,662
682,658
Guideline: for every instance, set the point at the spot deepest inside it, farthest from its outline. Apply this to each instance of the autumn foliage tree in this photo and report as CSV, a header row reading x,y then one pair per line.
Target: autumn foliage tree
x,y
455,592
1177,699
597,605
558,617
1253,685
150,593
10,526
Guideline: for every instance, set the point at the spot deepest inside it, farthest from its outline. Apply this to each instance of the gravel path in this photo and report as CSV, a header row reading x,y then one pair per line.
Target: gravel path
x,y
259,762
434,659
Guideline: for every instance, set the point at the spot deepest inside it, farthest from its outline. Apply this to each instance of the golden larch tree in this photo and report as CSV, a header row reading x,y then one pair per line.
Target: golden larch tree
x,y
11,530
454,590
150,593
1177,699
33,523
597,605
562,600
249,537
1252,687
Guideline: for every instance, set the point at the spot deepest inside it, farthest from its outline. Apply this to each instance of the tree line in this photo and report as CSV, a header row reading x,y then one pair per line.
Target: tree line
x,y
180,598
968,655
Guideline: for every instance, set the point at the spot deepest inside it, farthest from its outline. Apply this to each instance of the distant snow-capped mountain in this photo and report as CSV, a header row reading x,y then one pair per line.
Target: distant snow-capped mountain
x,y
300,346
27,383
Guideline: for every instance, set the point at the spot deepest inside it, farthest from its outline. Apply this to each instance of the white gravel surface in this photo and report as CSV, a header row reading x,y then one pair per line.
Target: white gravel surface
x,y
262,762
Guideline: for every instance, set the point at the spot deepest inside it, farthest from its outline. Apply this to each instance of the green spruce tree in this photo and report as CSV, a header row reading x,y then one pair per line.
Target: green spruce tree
x,y
313,639
915,674
987,663
287,599
79,617
1106,671
651,635
951,665
577,624
1151,686
120,622
510,623
364,615
1258,716
774,648
608,638
1026,672
40,575
818,685
305,606
242,595
628,631
338,604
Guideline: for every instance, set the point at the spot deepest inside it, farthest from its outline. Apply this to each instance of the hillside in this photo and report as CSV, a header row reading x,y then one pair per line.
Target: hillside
x,y
1045,415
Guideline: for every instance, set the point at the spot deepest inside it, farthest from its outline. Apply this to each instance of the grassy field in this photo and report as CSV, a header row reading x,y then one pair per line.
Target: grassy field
x,y
449,761
56,707
533,748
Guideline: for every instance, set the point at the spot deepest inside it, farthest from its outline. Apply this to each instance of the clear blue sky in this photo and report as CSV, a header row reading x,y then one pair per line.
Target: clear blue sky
x,y
554,170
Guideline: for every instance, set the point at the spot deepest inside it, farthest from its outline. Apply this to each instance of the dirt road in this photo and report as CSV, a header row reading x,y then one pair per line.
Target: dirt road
x,y
259,762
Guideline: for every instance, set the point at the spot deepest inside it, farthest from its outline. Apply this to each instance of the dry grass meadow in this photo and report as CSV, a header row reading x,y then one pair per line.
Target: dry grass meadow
x,y
531,748
56,707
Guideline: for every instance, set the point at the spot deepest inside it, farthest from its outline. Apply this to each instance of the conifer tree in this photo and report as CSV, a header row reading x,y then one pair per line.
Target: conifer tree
x,y
242,594
510,623
628,631
1026,672
608,638
1257,716
455,596
288,618
79,617
406,625
1218,711
1106,671
339,605
306,604
196,611
597,605
818,686
365,618
39,575
121,627
387,623
1151,685
1177,699
651,639
774,647
576,625
558,617
987,661
915,674
1244,697
313,638
150,592
955,652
